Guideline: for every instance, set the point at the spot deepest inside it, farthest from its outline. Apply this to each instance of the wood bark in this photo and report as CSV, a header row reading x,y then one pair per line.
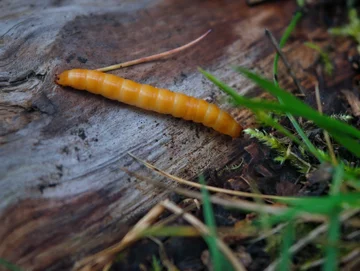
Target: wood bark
x,y
63,194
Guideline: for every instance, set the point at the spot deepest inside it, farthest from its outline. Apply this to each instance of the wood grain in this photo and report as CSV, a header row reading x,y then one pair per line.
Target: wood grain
x,y
63,195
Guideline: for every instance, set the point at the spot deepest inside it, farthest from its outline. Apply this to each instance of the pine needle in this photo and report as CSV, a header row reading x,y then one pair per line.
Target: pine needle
x,y
153,57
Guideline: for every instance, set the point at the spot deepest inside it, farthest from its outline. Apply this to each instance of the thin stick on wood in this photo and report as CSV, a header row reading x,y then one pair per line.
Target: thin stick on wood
x,y
102,259
326,134
210,188
153,57
238,266
284,60
310,237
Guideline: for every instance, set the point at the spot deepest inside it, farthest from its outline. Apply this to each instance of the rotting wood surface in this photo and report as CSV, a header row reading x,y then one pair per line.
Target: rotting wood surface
x,y
63,195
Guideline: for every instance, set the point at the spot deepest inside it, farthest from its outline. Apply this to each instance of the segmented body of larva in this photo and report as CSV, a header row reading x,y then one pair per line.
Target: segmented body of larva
x,y
155,99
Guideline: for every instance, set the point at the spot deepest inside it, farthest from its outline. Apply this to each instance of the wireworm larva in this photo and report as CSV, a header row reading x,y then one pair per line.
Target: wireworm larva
x,y
155,99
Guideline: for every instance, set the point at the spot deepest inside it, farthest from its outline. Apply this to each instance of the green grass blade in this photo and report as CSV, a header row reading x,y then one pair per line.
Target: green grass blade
x,y
287,241
156,266
292,105
296,18
301,108
266,119
351,144
331,250
217,258
283,40
338,178
323,204
309,146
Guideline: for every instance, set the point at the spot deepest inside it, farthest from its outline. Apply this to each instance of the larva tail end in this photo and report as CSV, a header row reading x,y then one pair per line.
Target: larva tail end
x,y
236,131
62,78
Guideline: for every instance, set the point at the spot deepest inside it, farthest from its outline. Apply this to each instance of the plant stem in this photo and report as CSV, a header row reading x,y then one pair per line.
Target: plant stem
x,y
283,41
297,127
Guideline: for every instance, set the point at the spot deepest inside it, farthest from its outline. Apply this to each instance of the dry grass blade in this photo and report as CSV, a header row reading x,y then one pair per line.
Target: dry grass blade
x,y
101,260
153,57
310,237
205,231
210,188
231,203
173,217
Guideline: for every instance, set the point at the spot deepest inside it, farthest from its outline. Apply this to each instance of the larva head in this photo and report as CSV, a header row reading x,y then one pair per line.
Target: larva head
x,y
62,78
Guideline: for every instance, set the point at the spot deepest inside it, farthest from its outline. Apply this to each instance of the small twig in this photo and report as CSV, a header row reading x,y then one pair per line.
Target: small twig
x,y
102,259
238,266
326,134
153,57
310,237
285,61
210,188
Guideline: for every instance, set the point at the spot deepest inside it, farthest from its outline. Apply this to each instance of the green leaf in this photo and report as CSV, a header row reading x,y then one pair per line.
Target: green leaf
x,y
218,260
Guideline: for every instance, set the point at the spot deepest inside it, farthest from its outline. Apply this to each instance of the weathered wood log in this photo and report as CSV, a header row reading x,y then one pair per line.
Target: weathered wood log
x,y
63,195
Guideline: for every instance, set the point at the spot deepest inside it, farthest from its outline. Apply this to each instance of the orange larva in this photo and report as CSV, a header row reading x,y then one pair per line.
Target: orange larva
x,y
155,99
